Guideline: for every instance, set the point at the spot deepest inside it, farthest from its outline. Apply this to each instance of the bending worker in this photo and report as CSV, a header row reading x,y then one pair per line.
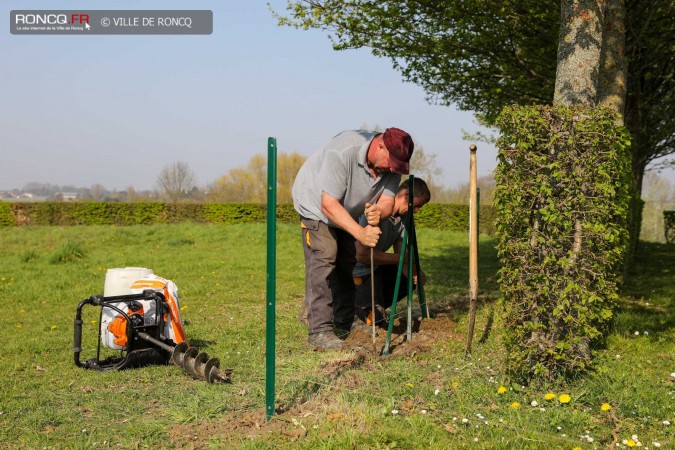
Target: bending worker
x,y
355,172
386,263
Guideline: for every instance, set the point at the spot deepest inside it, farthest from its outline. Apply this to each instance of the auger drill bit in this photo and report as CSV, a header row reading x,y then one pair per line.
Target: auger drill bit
x,y
199,365
192,361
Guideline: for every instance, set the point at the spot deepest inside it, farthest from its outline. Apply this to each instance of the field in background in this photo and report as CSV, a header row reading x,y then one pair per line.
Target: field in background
x,y
425,395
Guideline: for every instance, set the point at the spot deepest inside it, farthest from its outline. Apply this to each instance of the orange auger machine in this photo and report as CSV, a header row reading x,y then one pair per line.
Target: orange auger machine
x,y
146,327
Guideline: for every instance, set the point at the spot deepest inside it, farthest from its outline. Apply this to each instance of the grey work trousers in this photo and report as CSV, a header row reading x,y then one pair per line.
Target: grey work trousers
x,y
330,256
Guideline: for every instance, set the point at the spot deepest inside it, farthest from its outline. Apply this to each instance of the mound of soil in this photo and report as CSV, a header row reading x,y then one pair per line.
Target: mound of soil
x,y
425,333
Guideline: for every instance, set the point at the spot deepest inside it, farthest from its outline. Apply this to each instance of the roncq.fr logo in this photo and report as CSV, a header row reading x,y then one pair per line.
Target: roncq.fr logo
x,y
51,19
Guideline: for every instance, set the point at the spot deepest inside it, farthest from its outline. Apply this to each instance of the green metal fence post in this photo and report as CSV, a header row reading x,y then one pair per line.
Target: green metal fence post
x,y
420,286
392,313
271,319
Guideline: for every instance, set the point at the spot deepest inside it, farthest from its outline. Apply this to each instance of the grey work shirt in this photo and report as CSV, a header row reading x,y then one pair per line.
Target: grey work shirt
x,y
392,231
340,170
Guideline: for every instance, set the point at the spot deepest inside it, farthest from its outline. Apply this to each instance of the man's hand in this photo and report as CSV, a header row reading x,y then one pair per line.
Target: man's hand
x,y
372,213
369,236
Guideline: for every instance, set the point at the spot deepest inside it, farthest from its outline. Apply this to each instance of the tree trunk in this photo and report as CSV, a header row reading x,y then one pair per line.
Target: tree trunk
x,y
635,123
612,84
579,50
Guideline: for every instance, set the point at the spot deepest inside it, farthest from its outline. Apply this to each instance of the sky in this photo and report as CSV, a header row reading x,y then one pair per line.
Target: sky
x,y
114,110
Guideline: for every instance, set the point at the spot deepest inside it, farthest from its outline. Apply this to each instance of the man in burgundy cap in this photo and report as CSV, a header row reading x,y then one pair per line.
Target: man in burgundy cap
x,y
356,172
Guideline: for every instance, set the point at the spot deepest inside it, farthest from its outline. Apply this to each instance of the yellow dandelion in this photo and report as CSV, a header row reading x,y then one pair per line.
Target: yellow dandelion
x,y
3,278
501,390
605,407
183,308
18,325
515,405
409,384
577,448
564,398
455,384
631,443
549,396
54,327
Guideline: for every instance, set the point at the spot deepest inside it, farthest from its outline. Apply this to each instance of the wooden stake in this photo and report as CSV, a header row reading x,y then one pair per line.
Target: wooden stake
x,y
473,247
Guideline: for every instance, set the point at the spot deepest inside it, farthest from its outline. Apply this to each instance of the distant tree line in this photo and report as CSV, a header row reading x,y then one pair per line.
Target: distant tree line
x,y
176,183
95,192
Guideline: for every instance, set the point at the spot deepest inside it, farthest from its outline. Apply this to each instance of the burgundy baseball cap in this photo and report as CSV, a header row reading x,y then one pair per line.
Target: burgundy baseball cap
x,y
400,146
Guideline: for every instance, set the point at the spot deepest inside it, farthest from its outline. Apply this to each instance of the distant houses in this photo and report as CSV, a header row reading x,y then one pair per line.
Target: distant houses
x,y
66,196
16,195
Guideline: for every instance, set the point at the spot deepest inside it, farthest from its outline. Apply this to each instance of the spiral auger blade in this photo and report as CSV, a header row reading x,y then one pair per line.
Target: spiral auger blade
x,y
199,365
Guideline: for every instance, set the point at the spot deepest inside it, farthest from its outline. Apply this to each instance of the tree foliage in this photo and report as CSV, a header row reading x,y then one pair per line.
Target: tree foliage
x,y
460,193
249,184
484,55
424,166
176,181
479,55
241,184
650,102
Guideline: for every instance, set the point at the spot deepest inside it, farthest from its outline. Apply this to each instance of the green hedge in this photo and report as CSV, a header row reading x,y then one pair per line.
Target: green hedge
x,y
442,216
6,214
454,217
563,199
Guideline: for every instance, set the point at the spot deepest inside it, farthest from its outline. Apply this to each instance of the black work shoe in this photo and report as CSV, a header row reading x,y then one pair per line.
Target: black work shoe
x,y
324,340
341,331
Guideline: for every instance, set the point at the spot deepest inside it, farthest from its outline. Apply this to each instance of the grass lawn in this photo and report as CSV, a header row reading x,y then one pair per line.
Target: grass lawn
x,y
426,394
